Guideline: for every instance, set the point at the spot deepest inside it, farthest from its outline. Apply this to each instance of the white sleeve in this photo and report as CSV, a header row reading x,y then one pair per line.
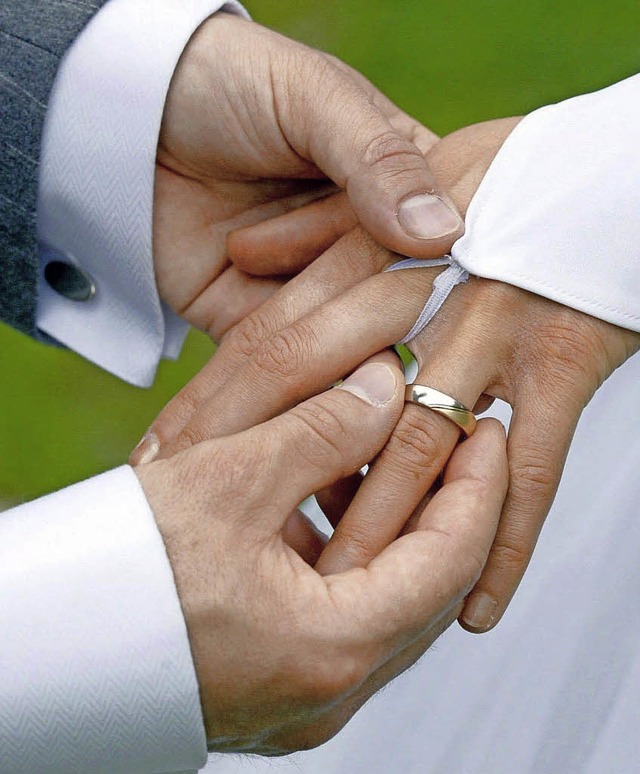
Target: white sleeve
x,y
96,672
96,183
558,212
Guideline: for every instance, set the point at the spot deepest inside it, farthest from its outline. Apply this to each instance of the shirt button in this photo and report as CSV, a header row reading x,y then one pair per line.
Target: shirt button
x,y
69,281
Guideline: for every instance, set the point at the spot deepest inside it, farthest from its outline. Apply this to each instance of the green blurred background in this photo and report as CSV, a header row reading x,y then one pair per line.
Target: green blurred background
x,y
447,63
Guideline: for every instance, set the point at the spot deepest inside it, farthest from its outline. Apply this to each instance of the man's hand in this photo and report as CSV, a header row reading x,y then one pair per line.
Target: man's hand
x,y
489,340
255,125
283,655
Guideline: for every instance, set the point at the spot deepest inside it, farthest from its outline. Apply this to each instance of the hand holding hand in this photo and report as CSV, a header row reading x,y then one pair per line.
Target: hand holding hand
x,y
489,340
255,125
285,656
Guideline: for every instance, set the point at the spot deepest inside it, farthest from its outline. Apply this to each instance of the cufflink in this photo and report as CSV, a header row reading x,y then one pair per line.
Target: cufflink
x,y
69,281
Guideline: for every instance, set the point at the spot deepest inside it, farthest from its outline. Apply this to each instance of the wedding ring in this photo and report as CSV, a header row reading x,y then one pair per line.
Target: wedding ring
x,y
443,404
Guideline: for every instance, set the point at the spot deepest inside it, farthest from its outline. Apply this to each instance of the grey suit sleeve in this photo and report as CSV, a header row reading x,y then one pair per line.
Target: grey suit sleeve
x,y
34,35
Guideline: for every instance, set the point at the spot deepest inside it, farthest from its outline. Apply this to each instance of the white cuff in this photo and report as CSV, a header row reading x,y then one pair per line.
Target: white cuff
x,y
96,672
96,182
557,211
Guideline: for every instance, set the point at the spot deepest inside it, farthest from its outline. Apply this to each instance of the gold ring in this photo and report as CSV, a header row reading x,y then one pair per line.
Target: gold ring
x,y
443,404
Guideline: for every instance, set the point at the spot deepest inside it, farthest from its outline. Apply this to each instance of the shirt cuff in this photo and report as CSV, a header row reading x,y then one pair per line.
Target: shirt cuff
x,y
95,663
557,211
95,199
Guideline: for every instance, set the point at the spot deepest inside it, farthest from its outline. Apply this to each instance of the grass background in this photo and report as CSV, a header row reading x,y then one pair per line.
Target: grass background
x,y
447,63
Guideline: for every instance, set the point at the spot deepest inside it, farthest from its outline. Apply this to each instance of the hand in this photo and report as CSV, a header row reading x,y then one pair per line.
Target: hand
x,y
285,656
490,340
255,125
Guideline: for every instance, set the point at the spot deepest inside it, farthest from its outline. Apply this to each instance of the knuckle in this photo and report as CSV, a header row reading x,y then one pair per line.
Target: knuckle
x,y
190,435
532,477
385,150
182,407
416,445
188,401
510,556
572,349
359,543
285,354
247,335
566,345
329,432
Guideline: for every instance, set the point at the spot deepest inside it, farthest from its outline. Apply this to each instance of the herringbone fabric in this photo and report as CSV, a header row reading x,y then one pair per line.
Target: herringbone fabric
x,y
34,35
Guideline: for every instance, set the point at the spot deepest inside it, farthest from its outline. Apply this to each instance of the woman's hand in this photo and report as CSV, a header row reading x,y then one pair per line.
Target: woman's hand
x,y
490,339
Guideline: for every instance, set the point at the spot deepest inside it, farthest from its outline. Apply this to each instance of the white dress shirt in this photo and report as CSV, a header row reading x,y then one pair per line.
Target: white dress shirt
x,y
557,211
96,672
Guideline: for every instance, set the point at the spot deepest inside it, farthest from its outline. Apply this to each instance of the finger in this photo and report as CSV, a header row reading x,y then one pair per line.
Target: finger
x,y
354,258
388,180
308,356
408,617
329,436
301,534
539,437
420,577
335,499
185,224
231,298
411,462
289,243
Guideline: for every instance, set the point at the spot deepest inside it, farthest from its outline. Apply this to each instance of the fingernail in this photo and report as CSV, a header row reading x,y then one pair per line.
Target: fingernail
x,y
375,383
147,450
427,216
480,611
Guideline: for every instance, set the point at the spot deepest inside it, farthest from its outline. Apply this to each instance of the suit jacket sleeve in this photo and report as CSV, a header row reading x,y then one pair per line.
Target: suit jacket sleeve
x,y
96,150
34,36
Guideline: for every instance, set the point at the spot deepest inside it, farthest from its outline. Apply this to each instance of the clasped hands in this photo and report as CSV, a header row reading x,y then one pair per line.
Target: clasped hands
x,y
279,163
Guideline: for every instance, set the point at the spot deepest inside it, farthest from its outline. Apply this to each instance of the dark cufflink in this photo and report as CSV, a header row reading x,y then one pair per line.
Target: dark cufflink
x,y
69,281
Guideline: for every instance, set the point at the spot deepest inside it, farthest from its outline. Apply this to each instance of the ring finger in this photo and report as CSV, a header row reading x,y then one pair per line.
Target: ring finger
x,y
463,366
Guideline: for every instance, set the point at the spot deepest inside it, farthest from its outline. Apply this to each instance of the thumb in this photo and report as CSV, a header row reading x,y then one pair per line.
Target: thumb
x,y
423,575
339,126
331,435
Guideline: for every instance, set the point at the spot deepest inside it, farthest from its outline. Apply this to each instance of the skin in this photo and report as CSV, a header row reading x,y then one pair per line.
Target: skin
x,y
283,654
490,340
266,144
